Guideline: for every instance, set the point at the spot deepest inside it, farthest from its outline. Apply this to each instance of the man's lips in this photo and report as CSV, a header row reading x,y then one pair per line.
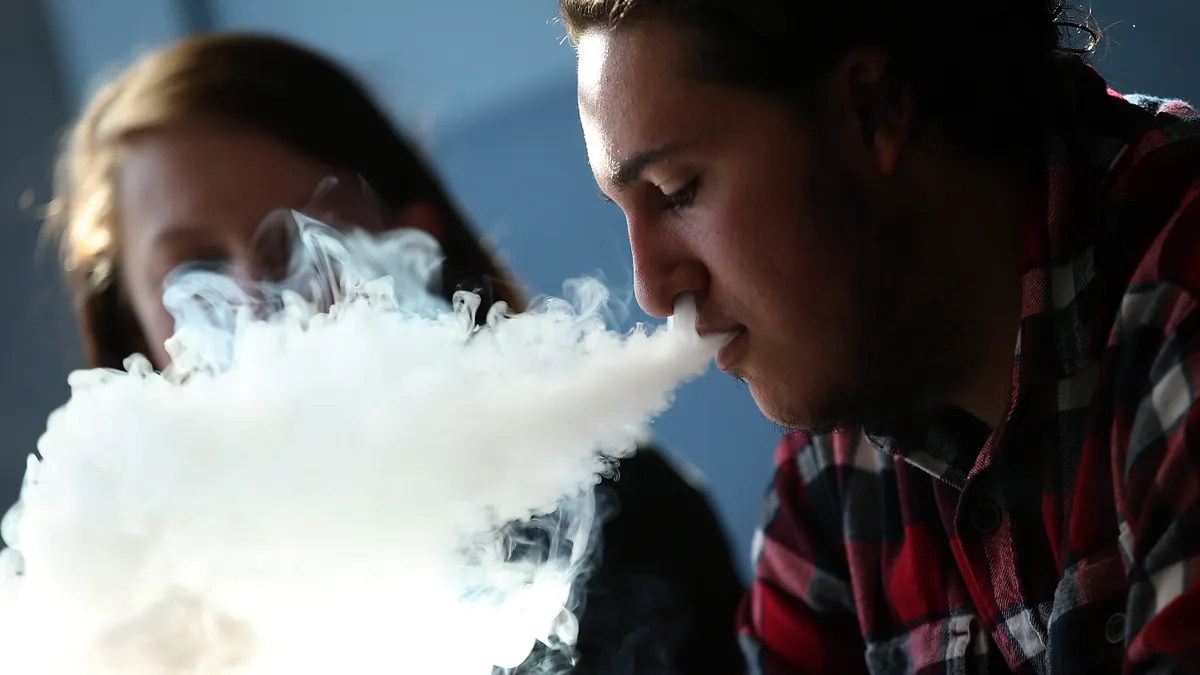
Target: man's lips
x,y
735,344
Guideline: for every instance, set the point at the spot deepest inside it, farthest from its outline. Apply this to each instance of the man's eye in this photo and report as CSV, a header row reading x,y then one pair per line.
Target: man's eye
x,y
683,197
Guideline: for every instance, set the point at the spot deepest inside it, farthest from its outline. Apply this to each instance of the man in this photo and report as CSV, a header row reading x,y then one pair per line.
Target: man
x,y
967,277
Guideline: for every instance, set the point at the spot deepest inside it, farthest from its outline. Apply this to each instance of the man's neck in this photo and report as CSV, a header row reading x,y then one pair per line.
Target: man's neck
x,y
984,215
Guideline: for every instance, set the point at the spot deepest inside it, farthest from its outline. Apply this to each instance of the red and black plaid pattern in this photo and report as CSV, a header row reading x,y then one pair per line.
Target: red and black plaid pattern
x,y
1067,539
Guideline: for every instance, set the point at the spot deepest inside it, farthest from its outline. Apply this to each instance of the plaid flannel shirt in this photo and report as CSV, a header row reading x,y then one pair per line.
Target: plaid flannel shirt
x,y
1067,539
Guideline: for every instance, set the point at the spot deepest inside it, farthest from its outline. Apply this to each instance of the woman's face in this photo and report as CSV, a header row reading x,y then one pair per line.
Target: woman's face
x,y
201,195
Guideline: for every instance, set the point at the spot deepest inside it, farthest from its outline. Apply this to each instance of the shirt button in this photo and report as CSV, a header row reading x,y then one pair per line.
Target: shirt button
x,y
985,516
1114,630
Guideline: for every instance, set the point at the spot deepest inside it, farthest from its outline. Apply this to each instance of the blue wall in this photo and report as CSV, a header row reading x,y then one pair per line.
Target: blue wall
x,y
37,339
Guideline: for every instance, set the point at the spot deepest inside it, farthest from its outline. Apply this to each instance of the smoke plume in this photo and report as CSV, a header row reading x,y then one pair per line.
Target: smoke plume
x,y
333,476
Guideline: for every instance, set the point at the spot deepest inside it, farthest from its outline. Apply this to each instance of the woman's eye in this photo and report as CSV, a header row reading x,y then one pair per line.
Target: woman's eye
x,y
683,197
200,265
210,265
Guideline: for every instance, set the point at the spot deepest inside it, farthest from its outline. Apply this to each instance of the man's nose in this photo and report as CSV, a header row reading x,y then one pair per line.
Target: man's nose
x,y
663,268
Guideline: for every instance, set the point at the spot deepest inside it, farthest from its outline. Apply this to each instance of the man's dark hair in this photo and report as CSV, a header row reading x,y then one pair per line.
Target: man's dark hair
x,y
984,72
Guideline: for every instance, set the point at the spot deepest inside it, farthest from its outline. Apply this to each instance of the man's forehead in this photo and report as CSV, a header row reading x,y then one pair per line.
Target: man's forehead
x,y
600,91
594,51
633,60
628,88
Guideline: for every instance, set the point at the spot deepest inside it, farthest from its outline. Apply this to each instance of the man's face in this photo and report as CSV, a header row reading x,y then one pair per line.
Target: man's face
x,y
787,231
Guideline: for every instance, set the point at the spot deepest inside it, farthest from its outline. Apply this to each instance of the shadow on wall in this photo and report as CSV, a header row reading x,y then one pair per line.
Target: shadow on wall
x,y
38,344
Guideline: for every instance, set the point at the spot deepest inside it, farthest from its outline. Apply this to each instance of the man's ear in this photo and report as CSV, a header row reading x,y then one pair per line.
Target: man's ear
x,y
880,107
420,216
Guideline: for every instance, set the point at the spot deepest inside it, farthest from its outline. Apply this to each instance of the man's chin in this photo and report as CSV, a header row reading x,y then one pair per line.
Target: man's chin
x,y
774,407
794,412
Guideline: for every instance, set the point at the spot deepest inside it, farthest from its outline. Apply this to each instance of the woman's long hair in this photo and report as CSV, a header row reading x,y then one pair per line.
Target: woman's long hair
x,y
249,82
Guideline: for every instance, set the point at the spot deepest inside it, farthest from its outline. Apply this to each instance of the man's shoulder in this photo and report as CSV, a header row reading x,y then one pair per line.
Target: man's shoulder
x,y
1156,196
1158,308
1153,173
1154,325
1146,245
1161,105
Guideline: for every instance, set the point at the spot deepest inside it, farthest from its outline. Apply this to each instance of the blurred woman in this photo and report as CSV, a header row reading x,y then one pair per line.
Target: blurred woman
x,y
180,159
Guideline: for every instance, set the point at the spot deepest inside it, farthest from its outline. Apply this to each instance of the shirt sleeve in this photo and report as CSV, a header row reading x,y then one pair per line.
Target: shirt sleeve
x,y
1156,459
798,616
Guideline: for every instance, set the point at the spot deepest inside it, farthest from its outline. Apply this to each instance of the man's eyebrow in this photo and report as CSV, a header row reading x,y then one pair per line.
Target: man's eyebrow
x,y
630,169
